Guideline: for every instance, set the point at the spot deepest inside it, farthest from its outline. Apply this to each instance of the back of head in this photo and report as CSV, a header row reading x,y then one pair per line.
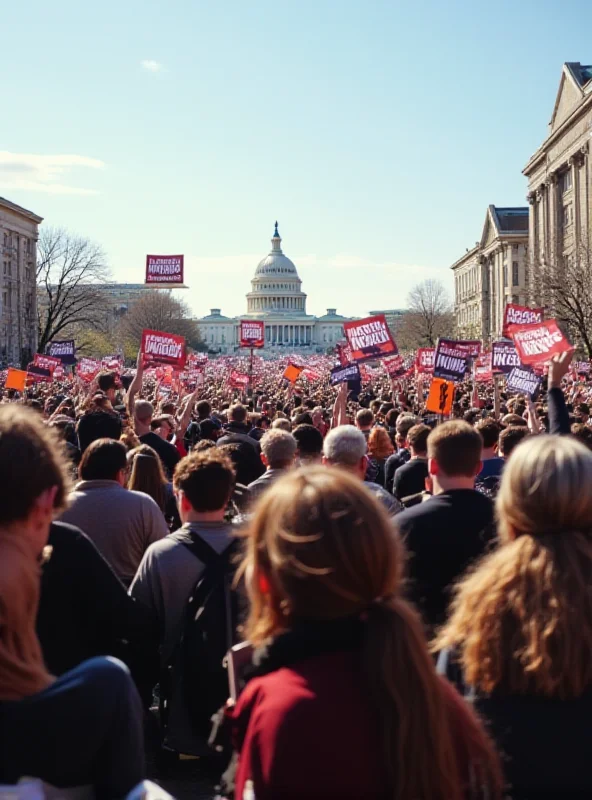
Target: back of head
x,y
279,448
510,438
583,433
103,460
147,474
107,381
144,410
309,441
522,622
204,409
326,551
345,446
405,422
456,447
364,419
206,479
418,439
489,430
281,424
379,444
237,413
304,418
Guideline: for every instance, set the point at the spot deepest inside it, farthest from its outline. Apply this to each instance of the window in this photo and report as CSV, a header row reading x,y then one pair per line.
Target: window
x,y
505,274
566,181
515,275
567,216
515,248
6,267
6,299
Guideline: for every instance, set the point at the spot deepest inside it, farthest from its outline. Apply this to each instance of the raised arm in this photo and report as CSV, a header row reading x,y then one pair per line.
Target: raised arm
x,y
135,386
558,414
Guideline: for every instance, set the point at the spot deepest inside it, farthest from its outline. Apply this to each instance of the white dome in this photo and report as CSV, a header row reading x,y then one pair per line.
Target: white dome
x,y
276,264
275,287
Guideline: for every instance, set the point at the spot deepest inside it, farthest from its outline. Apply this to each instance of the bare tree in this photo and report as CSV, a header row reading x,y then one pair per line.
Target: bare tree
x,y
429,316
563,286
159,311
70,270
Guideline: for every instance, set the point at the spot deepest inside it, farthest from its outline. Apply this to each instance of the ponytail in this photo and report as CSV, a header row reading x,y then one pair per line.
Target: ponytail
x,y
427,730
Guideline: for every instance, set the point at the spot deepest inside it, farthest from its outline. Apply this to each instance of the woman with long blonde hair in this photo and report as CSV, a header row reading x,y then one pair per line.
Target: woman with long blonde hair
x,y
345,702
519,638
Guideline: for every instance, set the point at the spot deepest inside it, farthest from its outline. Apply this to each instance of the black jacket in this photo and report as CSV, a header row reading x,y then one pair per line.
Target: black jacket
x,y
248,456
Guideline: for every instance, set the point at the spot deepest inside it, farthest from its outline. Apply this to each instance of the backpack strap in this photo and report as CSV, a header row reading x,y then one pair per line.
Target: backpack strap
x,y
205,553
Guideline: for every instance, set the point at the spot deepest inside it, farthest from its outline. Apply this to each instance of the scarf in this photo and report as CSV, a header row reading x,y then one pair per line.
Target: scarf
x,y
22,671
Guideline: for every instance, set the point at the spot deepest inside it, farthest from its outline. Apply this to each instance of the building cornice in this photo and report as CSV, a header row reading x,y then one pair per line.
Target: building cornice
x,y
540,154
24,212
464,259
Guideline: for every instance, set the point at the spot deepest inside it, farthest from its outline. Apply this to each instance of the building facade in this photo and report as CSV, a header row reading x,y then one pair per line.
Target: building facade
x,y
19,231
560,174
276,298
491,274
121,297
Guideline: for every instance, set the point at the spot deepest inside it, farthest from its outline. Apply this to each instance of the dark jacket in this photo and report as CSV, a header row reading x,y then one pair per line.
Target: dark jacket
x,y
558,413
443,536
167,452
410,478
392,465
248,457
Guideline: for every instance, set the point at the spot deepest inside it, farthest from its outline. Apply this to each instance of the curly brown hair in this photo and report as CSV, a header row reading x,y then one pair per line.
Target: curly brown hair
x,y
521,622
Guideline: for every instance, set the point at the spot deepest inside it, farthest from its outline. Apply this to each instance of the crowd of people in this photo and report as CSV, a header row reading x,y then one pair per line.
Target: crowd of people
x,y
316,591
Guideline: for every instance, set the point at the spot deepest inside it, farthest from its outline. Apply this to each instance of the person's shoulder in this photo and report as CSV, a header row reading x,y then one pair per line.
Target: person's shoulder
x,y
417,513
66,534
143,499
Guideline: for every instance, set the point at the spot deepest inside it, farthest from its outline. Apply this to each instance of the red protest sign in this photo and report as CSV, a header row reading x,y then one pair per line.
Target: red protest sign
x,y
394,366
238,380
520,315
164,270
87,368
472,347
370,338
344,353
483,368
425,359
539,342
163,348
252,333
46,362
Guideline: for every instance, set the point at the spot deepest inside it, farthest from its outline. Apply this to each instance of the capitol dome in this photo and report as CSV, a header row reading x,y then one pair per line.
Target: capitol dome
x,y
276,287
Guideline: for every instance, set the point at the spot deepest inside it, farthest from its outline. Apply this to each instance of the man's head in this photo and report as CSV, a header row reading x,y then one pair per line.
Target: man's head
x,y
143,411
34,474
163,426
107,383
510,438
489,431
304,418
281,424
203,483
278,449
583,433
454,453
364,419
104,460
237,413
404,424
346,447
204,409
417,438
310,444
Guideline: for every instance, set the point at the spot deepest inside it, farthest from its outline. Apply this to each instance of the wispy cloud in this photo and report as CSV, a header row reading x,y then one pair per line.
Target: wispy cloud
x,y
43,173
151,66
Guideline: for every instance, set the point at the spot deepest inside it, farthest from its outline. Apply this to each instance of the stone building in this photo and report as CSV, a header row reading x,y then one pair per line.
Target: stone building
x,y
19,231
276,297
560,174
491,274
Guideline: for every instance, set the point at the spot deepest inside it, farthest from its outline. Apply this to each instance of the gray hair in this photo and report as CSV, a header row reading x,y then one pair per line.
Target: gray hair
x,y
278,447
143,409
345,445
281,424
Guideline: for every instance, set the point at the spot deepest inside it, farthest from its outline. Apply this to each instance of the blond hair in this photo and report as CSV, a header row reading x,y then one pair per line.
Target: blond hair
x,y
325,549
522,620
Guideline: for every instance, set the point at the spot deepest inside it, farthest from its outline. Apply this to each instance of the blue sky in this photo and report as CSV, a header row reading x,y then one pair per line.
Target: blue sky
x,y
375,132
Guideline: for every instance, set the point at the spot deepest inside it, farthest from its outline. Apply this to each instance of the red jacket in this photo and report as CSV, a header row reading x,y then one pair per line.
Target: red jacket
x,y
307,731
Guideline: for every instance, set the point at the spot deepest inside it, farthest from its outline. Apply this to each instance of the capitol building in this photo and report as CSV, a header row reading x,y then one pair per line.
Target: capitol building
x,y
276,298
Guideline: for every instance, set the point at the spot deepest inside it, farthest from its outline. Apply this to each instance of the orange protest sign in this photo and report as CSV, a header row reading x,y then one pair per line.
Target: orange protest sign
x,y
292,372
16,379
440,397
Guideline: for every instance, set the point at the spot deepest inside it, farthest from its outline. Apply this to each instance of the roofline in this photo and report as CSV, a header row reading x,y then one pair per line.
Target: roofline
x,y
8,204
466,256
540,152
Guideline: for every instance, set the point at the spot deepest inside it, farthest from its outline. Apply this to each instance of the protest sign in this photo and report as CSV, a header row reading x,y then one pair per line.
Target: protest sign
x,y
483,368
472,347
344,374
425,359
16,379
251,333
524,380
582,367
36,374
370,338
344,353
46,362
238,380
164,270
59,373
311,374
87,368
504,357
65,351
450,360
394,366
292,372
520,315
539,342
163,348
441,397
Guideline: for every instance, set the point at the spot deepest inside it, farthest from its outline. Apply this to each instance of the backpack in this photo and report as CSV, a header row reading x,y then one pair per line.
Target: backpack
x,y
209,631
